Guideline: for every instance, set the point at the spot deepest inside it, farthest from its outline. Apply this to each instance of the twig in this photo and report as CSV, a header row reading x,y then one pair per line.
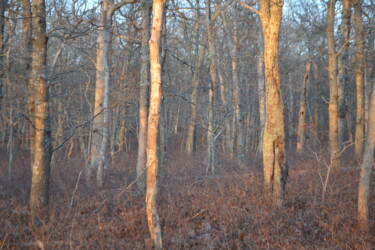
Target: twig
x,y
74,191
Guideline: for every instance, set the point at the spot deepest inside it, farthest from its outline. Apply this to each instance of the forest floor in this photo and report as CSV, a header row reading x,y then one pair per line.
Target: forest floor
x,y
197,211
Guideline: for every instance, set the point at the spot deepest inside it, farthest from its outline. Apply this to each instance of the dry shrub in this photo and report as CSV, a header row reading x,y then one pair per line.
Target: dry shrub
x,y
226,211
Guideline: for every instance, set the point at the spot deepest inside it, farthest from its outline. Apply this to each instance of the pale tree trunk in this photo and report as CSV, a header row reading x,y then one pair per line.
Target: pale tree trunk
x,y
100,127
153,122
365,176
333,92
274,155
302,110
261,93
210,130
121,137
143,94
42,155
199,57
342,76
359,42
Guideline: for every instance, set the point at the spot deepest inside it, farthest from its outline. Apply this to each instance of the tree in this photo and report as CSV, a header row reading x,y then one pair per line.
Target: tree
x,y
100,128
365,176
302,110
342,75
143,94
274,156
153,122
359,42
42,148
333,94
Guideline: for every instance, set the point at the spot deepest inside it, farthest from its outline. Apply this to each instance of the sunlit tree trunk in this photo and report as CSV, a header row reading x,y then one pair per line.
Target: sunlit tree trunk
x,y
302,110
359,42
42,155
365,176
333,94
274,155
153,122
143,95
342,76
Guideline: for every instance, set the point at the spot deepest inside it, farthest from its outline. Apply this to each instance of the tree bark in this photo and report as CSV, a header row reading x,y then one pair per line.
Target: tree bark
x,y
359,44
302,110
143,95
42,155
365,176
274,155
342,76
153,122
333,94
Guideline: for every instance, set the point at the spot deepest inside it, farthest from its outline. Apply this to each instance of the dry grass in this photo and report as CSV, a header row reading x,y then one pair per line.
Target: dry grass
x,y
227,211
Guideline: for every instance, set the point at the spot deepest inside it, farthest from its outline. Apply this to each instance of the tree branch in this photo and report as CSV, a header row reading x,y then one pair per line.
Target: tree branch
x,y
248,6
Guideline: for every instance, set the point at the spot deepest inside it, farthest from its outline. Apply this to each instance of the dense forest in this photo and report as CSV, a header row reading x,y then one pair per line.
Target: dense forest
x,y
187,124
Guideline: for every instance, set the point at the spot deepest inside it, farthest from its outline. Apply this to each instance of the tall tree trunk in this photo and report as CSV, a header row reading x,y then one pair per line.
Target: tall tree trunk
x,y
359,42
153,122
210,131
3,5
274,155
302,110
342,76
365,176
199,57
261,92
42,155
143,95
333,92
100,127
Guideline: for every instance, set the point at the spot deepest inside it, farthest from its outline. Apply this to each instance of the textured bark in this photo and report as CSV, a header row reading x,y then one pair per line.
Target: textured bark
x,y
302,110
143,94
100,127
365,176
3,5
42,155
342,76
210,131
153,122
261,93
333,94
359,44
274,155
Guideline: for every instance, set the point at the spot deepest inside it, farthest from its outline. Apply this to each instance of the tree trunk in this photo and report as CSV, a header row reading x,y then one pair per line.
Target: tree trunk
x,y
302,110
143,95
210,131
42,155
342,76
274,155
153,122
333,94
261,93
359,43
365,176
3,6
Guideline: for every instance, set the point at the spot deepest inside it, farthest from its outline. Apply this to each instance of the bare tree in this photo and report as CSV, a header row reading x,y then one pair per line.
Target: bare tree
x,y
365,176
153,122
143,93
333,94
42,149
359,42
